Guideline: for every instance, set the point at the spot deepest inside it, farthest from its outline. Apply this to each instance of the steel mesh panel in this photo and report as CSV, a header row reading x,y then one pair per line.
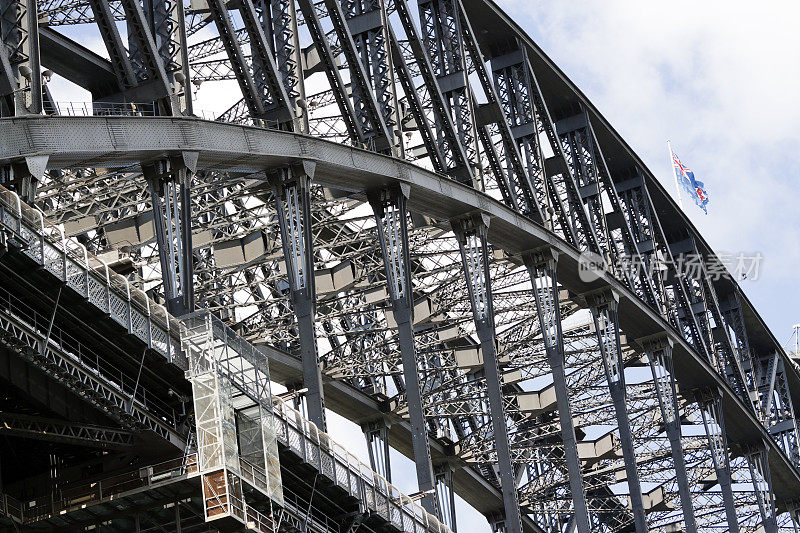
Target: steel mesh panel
x,y
139,324
53,260
119,309
97,293
34,241
159,338
342,475
76,276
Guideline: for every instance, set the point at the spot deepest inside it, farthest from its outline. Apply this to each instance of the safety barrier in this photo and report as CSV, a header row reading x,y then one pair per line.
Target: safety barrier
x,y
332,460
68,260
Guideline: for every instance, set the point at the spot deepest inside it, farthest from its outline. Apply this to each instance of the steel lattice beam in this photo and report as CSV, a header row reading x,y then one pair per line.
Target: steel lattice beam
x,y
452,332
41,428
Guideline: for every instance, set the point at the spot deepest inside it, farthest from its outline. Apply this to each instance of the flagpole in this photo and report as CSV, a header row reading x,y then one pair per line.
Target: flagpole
x,y
675,175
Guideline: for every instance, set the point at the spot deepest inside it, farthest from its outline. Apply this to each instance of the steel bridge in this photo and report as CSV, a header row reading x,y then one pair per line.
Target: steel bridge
x,y
407,215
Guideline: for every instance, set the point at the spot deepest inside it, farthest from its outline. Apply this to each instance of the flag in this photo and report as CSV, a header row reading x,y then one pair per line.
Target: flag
x,y
694,188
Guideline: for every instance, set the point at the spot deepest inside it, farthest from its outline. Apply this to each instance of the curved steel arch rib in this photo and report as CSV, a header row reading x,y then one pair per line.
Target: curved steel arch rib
x,y
127,142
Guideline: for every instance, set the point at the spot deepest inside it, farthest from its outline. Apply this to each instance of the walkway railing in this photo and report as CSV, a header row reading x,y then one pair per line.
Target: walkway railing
x,y
81,495
67,260
106,109
345,469
57,347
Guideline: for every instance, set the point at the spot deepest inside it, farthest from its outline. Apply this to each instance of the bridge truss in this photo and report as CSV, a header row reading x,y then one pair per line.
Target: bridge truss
x,y
399,205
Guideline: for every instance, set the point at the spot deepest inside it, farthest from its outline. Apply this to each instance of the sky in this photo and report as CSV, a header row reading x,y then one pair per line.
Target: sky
x,y
721,81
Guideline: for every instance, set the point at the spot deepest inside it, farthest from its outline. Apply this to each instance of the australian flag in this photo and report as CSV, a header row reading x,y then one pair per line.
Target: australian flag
x,y
694,188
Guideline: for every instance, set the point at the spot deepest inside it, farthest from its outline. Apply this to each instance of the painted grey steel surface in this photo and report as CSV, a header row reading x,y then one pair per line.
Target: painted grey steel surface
x,y
515,147
121,141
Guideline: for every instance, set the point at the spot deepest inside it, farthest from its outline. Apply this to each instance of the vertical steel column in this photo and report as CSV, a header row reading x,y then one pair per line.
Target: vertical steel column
x,y
391,217
776,409
376,433
19,29
442,38
659,355
184,106
600,196
634,198
472,242
187,256
711,410
8,85
155,175
758,461
553,183
604,312
169,181
446,494
293,205
518,186
542,270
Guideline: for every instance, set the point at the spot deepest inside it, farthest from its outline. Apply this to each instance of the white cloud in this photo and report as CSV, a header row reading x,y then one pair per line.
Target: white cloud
x,y
720,80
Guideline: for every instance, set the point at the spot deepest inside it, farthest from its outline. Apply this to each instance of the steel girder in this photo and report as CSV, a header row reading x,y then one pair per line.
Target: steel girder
x,y
354,127
167,22
145,54
473,443
605,315
449,151
256,99
498,134
516,183
37,427
21,82
443,41
106,24
528,117
362,36
268,80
